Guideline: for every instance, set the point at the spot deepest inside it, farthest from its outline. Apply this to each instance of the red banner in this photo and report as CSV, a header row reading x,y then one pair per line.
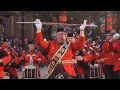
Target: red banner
x,y
63,16
109,23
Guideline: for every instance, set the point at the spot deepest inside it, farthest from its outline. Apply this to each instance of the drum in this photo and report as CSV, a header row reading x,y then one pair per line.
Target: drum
x,y
95,71
30,72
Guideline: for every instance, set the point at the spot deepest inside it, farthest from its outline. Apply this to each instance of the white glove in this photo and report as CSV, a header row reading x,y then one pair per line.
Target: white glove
x,y
82,27
97,54
38,24
74,61
110,40
85,45
79,58
102,60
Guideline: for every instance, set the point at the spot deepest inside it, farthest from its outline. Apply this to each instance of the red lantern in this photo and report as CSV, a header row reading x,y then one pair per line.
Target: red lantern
x,y
63,17
109,23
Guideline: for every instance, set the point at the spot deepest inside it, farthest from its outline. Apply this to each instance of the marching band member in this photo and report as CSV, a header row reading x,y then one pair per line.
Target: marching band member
x,y
11,66
116,68
109,52
78,70
83,58
60,52
71,37
5,58
37,56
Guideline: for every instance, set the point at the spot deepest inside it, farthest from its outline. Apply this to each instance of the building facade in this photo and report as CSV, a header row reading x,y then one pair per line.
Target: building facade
x,y
9,27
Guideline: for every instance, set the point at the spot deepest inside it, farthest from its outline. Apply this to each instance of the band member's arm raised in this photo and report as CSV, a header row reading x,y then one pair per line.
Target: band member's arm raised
x,y
39,37
79,45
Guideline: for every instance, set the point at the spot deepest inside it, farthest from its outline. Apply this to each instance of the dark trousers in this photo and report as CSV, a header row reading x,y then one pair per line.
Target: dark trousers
x,y
109,73
117,75
86,73
79,76
60,73
85,67
13,77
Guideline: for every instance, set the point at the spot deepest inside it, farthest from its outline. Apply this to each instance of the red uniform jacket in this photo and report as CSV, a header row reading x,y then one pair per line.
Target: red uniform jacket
x,y
52,46
117,64
117,49
12,70
87,58
16,61
110,53
35,56
6,60
99,57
